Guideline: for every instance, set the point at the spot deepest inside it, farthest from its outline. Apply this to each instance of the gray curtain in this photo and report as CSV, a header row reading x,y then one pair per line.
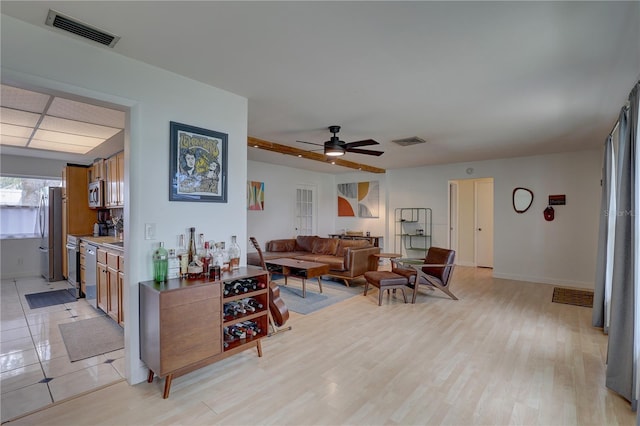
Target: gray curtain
x,y
620,356
598,313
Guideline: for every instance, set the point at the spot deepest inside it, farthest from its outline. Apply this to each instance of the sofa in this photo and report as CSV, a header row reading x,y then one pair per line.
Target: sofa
x,y
347,259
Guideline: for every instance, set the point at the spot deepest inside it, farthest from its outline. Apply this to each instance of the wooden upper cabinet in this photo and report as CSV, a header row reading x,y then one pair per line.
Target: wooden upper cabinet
x,y
115,181
97,171
120,168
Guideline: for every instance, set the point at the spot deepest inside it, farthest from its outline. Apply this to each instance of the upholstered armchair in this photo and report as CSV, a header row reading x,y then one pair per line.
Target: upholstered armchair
x,y
434,271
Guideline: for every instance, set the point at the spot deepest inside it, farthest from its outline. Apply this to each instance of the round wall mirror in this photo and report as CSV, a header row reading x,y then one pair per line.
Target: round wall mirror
x,y
522,199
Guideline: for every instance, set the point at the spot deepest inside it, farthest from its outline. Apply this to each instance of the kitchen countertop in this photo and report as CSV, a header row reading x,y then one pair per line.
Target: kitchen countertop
x,y
106,241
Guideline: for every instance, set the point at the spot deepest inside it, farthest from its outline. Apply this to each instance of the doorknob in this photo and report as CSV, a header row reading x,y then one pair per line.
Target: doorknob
x,y
479,229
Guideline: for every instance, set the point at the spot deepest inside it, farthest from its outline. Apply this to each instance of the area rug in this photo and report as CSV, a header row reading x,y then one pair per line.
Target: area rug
x,y
570,296
332,292
49,298
91,337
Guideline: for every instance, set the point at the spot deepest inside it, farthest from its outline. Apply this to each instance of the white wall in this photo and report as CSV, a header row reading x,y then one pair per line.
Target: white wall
x,y
20,257
526,247
31,167
277,220
41,58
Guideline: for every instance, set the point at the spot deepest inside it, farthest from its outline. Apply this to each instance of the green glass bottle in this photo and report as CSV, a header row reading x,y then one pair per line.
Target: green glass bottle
x,y
160,264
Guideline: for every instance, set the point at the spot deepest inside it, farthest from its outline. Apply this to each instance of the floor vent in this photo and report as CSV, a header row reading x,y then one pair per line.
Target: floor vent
x,y
66,23
414,140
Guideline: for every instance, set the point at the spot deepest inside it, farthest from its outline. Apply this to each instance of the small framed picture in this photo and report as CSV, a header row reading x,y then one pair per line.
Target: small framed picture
x,y
197,164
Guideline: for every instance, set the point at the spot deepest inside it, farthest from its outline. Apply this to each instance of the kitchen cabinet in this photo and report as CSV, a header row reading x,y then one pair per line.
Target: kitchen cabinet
x,y
115,181
102,281
77,217
110,282
97,171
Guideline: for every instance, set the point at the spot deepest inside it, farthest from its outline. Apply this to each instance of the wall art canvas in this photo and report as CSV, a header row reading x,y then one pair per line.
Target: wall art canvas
x,y
255,195
347,199
368,199
197,164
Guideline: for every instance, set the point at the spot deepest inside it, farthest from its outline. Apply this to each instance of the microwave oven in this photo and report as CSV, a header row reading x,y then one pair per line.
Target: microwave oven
x,y
96,194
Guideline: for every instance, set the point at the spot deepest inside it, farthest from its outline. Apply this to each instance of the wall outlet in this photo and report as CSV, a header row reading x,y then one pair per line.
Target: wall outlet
x,y
149,231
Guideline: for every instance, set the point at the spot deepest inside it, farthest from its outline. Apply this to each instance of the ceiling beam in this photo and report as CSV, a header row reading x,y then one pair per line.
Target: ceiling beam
x,y
316,156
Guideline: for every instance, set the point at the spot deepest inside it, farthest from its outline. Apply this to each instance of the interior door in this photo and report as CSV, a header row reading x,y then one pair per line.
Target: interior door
x,y
453,216
484,223
305,210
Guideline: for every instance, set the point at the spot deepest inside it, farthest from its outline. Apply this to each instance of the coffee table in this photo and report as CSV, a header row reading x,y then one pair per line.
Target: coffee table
x,y
298,269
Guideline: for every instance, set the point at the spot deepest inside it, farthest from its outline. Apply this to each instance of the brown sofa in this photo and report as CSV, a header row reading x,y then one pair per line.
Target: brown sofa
x,y
347,259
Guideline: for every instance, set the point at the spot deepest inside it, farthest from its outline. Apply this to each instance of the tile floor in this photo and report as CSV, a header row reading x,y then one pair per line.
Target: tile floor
x,y
35,370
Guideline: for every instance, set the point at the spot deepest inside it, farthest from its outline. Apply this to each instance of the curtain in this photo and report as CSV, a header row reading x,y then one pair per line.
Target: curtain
x,y
604,260
621,372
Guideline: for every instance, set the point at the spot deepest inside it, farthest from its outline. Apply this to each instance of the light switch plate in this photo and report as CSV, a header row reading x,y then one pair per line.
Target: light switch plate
x,y
149,231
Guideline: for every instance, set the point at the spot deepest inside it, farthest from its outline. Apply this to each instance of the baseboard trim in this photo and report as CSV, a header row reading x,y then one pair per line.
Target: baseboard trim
x,y
545,280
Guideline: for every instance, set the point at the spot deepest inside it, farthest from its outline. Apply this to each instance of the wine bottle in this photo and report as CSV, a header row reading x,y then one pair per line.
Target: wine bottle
x,y
184,259
192,244
160,264
234,254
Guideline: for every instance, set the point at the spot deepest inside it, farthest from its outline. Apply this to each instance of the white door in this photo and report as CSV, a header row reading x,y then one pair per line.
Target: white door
x,y
453,216
484,223
305,211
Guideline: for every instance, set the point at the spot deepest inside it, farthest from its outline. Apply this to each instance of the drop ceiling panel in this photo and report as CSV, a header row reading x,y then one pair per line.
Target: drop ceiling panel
x,y
73,110
19,131
77,127
47,135
13,141
22,99
62,147
19,118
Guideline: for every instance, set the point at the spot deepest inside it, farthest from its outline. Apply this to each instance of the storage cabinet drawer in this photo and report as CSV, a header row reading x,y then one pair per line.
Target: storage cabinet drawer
x,y
112,260
102,256
172,299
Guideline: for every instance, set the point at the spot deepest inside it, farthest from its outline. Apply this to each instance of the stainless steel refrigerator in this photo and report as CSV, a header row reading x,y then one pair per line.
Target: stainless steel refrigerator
x,y
50,225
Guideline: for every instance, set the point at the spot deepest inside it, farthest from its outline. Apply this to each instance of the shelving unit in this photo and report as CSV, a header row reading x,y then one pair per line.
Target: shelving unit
x,y
413,230
182,324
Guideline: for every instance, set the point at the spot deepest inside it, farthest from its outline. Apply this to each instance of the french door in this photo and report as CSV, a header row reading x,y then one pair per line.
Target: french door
x,y
306,223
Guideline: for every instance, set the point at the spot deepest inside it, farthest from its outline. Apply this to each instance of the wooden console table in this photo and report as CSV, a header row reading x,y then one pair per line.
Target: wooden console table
x,y
182,327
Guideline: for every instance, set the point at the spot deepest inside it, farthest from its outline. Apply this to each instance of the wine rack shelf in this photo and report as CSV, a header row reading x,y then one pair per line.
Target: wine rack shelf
x,y
182,326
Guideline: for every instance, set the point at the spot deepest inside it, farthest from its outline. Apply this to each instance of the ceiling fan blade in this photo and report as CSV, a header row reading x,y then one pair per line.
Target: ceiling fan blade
x,y
311,143
364,151
363,143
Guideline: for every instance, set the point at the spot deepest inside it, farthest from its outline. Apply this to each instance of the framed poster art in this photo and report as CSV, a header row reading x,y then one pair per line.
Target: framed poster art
x,y
197,164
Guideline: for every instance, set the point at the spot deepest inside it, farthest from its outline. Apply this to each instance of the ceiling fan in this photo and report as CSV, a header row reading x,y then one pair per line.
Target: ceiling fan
x,y
335,147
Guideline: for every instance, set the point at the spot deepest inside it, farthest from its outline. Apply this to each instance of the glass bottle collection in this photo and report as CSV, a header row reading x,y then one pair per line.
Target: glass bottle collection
x,y
206,258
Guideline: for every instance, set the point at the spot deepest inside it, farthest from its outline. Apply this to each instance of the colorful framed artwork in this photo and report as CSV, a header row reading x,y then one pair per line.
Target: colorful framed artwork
x,y
197,164
255,195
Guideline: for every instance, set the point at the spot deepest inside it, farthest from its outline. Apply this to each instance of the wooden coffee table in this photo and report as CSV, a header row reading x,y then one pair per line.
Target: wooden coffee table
x,y
298,269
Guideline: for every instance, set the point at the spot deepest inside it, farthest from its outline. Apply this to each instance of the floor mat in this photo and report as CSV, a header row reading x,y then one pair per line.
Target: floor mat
x,y
91,337
570,296
49,298
333,292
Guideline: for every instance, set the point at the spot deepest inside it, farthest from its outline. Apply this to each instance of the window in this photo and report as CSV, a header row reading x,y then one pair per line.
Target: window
x,y
19,200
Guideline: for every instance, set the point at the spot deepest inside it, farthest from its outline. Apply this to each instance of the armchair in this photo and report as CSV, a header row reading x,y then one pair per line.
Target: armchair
x,y
435,271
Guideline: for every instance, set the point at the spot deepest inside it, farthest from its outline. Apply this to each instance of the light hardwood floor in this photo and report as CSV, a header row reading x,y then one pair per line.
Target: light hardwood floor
x,y
503,354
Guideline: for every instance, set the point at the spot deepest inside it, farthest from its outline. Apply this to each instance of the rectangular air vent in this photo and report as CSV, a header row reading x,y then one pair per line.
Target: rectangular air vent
x,y
72,25
414,140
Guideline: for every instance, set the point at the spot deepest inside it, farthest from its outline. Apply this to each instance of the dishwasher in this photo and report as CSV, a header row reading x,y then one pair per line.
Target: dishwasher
x,y
90,276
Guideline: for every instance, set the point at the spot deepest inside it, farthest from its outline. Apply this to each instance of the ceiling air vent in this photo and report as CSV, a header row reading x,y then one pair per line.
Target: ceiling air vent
x,y
72,25
413,140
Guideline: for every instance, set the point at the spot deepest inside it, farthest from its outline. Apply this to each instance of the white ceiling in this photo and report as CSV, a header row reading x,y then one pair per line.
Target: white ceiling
x,y
477,80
